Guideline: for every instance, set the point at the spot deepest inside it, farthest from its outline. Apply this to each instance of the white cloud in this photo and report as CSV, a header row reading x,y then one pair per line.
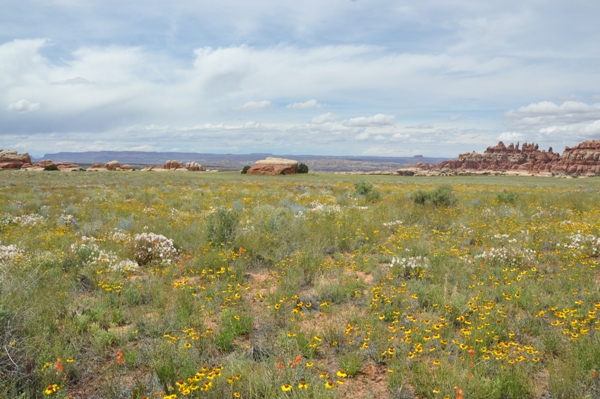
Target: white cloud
x,y
546,117
421,126
456,117
511,136
23,106
324,118
253,105
567,123
400,136
73,81
306,105
376,120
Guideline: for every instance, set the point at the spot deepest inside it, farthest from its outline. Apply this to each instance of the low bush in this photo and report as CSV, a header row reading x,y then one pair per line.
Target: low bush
x,y
51,167
302,168
507,197
366,190
245,169
440,196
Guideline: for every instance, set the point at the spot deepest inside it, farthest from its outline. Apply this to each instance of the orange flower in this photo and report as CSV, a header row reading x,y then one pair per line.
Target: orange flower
x,y
120,357
59,366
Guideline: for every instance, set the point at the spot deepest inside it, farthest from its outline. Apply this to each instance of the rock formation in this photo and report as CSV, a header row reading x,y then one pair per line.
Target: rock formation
x,y
177,166
194,167
112,165
581,159
501,158
274,166
173,165
10,159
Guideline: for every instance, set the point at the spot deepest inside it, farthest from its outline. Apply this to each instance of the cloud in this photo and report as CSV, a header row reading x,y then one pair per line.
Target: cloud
x,y
23,106
566,123
421,126
306,105
456,117
370,121
547,113
325,118
73,81
511,136
253,105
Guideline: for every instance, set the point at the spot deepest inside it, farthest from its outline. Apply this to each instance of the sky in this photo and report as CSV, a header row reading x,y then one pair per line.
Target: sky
x,y
336,77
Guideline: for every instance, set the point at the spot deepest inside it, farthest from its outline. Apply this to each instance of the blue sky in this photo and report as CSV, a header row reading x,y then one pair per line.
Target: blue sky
x,y
322,77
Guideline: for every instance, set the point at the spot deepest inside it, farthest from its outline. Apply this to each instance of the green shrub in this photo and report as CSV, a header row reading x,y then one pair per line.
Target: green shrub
x,y
51,167
507,197
245,169
222,226
441,196
367,190
302,168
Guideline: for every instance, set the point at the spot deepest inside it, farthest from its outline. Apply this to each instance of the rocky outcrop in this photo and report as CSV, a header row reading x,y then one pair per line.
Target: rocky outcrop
x,y
173,165
583,159
112,165
194,167
501,158
48,162
274,166
10,159
176,166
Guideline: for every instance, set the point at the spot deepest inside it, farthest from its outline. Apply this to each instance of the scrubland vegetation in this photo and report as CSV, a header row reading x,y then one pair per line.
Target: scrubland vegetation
x,y
133,285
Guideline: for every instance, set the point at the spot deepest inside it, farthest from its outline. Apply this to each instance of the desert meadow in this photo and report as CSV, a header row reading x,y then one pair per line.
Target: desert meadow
x,y
221,285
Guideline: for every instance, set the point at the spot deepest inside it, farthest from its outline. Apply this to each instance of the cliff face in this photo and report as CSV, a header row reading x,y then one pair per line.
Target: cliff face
x,y
582,159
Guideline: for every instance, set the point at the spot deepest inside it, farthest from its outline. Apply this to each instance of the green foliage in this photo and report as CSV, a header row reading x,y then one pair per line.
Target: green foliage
x,y
302,168
441,196
507,197
245,169
51,167
233,325
366,190
352,363
222,226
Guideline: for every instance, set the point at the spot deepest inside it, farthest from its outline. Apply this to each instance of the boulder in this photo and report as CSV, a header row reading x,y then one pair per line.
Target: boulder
x,y
194,167
274,166
10,159
112,165
173,165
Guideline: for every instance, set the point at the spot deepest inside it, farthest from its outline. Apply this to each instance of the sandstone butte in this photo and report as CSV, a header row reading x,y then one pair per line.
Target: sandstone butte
x,y
583,159
274,166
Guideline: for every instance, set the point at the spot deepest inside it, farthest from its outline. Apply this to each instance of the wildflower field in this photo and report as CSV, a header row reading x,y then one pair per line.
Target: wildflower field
x,y
172,285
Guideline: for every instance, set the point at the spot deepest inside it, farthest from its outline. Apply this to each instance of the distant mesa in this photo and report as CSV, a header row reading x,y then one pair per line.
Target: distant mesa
x,y
274,166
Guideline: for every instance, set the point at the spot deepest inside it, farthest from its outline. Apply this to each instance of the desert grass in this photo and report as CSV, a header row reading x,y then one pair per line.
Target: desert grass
x,y
147,285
